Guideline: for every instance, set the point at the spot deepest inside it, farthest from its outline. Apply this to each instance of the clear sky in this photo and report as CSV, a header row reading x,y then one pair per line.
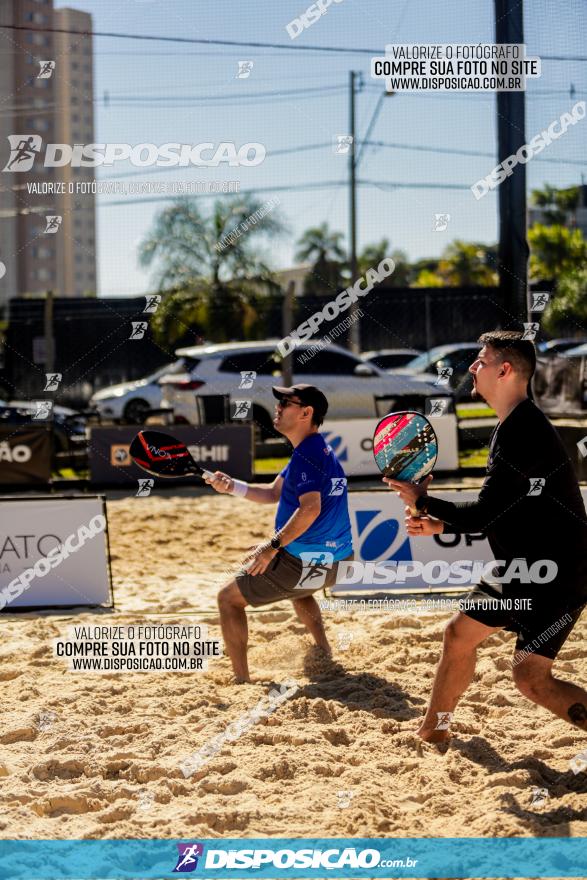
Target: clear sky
x,y
134,72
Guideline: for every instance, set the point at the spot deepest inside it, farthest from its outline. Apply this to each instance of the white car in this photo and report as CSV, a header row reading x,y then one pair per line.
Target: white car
x,y
132,401
246,371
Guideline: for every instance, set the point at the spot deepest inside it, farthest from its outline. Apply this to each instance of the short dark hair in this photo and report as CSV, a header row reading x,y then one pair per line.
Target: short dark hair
x,y
512,347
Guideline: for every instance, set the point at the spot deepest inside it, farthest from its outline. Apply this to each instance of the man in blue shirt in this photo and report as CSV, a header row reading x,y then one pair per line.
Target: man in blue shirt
x,y
312,527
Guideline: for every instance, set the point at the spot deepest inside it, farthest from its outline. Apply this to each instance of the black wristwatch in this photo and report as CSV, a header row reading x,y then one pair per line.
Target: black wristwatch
x,y
275,542
422,503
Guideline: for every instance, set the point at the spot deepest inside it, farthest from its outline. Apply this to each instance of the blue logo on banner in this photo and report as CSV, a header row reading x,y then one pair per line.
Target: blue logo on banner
x,y
378,537
187,860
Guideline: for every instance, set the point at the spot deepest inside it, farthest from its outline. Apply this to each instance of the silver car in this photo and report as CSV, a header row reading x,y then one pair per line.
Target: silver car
x,y
245,371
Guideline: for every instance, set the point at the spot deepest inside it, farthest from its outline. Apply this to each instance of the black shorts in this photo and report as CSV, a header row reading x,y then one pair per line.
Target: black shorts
x,y
543,628
285,577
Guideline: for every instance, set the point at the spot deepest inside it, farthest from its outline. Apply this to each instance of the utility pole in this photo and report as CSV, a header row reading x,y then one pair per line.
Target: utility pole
x,y
513,248
48,332
354,331
286,328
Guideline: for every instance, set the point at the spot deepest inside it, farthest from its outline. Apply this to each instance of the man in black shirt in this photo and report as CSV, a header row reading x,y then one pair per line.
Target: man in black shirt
x,y
531,510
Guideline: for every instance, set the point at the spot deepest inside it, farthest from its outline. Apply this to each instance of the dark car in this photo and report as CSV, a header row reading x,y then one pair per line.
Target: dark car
x,y
69,426
391,358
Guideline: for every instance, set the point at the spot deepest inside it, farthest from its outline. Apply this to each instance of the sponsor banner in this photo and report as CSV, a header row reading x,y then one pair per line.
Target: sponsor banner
x,y
25,454
33,535
379,535
352,441
216,447
294,857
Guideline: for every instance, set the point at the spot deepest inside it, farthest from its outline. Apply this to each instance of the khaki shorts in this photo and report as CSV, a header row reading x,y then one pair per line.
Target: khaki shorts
x,y
285,577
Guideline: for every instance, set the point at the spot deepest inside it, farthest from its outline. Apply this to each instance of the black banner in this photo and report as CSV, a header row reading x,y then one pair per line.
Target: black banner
x,y
25,454
216,447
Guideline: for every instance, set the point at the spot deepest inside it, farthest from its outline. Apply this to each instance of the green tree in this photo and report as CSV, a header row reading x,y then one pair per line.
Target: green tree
x,y
322,247
462,264
371,256
569,302
555,251
557,203
206,264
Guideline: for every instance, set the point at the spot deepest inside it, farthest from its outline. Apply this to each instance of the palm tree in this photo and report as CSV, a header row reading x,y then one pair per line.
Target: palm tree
x,y
466,264
557,203
322,247
207,264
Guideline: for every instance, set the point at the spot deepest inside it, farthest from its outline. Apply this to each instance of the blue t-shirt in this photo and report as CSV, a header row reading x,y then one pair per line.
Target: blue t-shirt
x,y
314,467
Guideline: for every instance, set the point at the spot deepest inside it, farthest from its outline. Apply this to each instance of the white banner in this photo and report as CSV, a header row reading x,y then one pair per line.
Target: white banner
x,y
352,441
53,551
379,535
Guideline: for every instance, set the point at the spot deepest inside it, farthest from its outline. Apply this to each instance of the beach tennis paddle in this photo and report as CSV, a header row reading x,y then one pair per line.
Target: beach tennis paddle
x,y
163,456
405,446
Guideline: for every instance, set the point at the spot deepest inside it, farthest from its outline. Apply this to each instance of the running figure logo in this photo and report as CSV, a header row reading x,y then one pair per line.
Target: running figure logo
x,y
247,378
444,374
23,149
438,406
242,409
338,485
52,381
139,328
441,222
53,222
539,302
43,409
315,568
530,330
46,71
144,489
343,144
152,303
187,860
244,69
536,485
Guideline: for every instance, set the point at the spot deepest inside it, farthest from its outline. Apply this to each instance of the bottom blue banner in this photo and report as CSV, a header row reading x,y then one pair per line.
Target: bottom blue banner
x,y
408,857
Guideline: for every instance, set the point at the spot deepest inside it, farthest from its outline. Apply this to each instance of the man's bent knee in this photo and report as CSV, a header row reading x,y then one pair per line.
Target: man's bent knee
x,y
230,596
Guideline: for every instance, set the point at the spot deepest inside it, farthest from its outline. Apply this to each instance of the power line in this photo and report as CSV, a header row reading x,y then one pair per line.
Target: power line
x,y
240,43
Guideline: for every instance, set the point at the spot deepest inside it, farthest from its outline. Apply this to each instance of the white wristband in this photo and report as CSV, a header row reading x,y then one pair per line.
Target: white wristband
x,y
239,487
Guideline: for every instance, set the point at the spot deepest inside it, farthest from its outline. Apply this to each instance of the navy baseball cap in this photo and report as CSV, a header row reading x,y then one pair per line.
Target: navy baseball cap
x,y
309,395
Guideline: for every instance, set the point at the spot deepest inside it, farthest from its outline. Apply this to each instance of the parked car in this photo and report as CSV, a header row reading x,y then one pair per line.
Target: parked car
x,y
390,358
427,367
350,384
69,426
132,401
558,346
578,351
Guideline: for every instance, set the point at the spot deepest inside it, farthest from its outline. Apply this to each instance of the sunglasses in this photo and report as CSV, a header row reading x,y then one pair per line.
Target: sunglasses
x,y
285,401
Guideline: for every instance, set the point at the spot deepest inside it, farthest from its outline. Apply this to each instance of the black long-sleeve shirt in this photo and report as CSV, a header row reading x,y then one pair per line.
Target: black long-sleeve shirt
x,y
518,522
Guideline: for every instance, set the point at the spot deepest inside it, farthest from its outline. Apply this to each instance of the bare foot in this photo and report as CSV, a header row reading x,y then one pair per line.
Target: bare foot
x,y
431,735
